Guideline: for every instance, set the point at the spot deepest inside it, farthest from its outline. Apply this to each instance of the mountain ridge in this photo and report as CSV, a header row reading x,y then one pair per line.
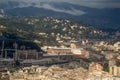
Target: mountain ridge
x,y
107,18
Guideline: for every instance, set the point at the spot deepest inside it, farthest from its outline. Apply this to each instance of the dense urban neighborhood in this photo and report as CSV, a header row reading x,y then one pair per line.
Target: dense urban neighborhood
x,y
47,48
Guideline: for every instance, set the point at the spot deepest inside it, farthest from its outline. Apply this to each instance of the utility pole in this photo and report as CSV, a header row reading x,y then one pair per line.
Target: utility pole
x,y
36,55
26,55
6,54
16,54
2,48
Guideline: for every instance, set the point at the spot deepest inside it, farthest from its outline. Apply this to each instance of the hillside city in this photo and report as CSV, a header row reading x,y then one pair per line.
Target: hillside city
x,y
47,48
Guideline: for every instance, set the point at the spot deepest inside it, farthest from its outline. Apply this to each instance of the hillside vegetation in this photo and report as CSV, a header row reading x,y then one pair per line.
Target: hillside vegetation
x,y
48,30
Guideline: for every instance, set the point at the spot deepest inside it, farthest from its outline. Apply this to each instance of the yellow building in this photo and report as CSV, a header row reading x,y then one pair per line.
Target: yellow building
x,y
114,70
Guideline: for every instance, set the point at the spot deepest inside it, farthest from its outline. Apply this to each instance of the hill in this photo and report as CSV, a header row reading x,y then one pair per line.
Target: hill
x,y
106,18
48,30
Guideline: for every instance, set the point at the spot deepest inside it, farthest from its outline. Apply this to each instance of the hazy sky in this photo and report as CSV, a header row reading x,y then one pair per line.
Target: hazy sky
x,y
89,3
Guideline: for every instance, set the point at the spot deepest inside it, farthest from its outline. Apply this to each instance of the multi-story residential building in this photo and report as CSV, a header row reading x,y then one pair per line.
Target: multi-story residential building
x,y
114,70
112,62
95,67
